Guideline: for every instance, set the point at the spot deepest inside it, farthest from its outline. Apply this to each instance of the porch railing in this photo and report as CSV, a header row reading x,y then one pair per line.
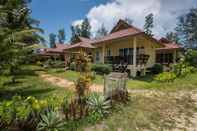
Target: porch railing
x,y
140,59
119,59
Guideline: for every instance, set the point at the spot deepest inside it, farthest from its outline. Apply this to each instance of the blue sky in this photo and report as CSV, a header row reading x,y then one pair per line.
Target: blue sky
x,y
57,14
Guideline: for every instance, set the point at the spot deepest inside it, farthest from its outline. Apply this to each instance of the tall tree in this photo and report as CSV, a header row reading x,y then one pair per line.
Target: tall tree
x,y
85,28
101,32
52,40
82,30
149,24
171,36
187,28
61,36
75,31
17,32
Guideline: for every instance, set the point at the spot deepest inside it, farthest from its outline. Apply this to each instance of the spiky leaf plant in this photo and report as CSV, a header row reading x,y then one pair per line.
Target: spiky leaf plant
x,y
99,104
50,121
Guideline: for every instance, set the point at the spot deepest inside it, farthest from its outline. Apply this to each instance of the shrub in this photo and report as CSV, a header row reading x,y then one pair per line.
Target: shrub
x,y
21,114
54,102
72,66
50,121
94,117
157,68
166,77
58,64
102,68
48,63
191,57
182,69
39,63
99,104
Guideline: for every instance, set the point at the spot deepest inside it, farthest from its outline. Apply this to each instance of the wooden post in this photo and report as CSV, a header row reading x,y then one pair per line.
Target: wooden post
x,y
134,56
103,54
66,60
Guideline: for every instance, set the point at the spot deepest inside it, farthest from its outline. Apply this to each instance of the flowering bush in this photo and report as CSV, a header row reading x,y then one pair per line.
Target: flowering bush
x,y
183,69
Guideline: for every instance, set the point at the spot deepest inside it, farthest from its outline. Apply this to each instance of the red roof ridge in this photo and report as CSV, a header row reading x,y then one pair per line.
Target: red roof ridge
x,y
168,44
84,38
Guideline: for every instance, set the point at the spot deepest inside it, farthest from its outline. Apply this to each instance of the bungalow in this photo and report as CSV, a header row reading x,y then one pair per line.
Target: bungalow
x,y
126,44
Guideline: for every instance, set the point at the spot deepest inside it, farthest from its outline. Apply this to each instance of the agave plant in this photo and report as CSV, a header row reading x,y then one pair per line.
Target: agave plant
x,y
50,121
99,104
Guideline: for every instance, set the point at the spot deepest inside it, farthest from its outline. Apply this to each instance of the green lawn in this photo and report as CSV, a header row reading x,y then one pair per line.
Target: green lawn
x,y
72,75
156,112
29,84
158,108
147,82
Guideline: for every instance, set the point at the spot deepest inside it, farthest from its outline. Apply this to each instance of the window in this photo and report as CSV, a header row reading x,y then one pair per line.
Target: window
x,y
125,51
164,58
121,52
108,52
97,56
130,51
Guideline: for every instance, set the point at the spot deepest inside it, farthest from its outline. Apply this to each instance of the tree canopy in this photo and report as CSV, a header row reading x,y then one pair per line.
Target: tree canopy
x,y
17,32
101,32
171,36
149,24
187,28
52,40
83,30
61,36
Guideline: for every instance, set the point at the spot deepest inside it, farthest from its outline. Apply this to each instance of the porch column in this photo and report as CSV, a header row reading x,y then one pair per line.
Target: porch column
x,y
103,54
65,60
134,71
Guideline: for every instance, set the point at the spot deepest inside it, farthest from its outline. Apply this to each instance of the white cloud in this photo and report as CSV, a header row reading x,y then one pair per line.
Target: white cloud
x,y
77,22
165,13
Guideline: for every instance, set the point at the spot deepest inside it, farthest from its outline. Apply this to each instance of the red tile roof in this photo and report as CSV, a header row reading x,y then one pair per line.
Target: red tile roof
x,y
80,45
118,34
122,30
54,50
168,45
83,39
61,46
84,43
58,48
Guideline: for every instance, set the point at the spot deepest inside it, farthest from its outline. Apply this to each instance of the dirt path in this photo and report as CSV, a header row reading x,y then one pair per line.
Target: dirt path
x,y
58,81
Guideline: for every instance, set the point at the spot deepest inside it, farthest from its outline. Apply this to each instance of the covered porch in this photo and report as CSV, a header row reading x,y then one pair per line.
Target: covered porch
x,y
135,53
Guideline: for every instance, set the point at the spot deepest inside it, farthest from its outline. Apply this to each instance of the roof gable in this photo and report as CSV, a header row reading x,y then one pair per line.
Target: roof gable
x,y
164,40
79,39
121,25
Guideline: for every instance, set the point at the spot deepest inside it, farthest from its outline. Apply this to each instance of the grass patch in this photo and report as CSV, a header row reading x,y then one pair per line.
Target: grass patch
x,y
29,84
72,75
148,112
185,83
146,82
